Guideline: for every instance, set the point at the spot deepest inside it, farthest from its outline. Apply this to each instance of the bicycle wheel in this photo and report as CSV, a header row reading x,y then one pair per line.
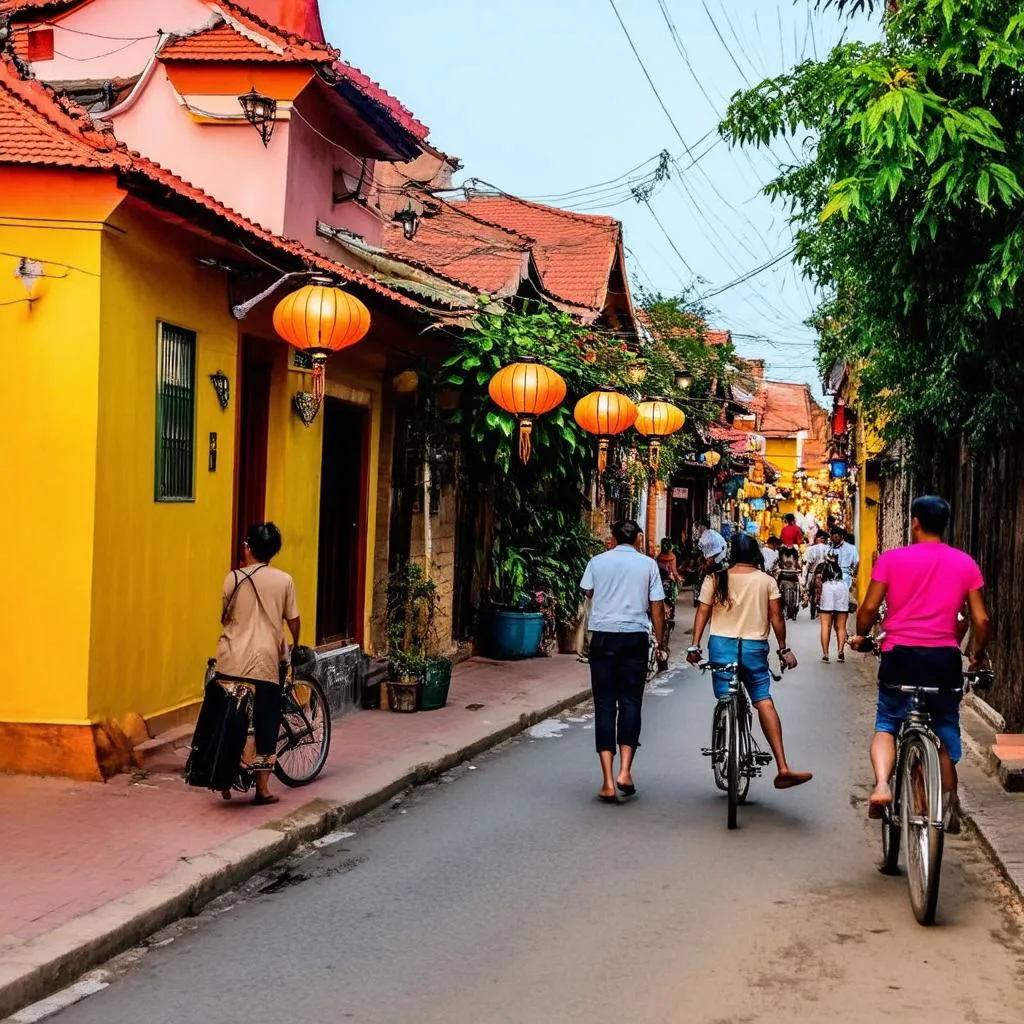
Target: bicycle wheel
x,y
922,826
732,763
719,744
305,736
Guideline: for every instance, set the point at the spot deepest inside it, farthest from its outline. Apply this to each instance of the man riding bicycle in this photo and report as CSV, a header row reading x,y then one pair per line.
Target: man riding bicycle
x,y
925,587
712,547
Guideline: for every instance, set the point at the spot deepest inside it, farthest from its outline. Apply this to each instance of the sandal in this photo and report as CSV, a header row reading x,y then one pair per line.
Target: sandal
x,y
825,659
263,801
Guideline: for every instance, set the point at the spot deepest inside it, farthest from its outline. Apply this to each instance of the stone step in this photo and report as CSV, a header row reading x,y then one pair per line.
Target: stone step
x,y
166,752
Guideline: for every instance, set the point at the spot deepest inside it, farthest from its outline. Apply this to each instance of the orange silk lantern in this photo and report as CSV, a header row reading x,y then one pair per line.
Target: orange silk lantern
x,y
526,389
321,319
605,413
657,419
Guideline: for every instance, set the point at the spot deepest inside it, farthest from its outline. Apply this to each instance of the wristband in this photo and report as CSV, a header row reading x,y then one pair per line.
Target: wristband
x,y
783,650
694,650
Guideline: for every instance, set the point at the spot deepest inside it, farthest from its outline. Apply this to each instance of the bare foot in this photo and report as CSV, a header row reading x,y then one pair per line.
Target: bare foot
x,y
606,791
787,780
881,797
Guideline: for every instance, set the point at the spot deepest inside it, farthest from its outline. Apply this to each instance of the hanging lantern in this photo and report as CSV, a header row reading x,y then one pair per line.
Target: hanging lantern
x,y
657,419
526,389
839,418
837,467
711,459
683,380
604,412
321,319
260,111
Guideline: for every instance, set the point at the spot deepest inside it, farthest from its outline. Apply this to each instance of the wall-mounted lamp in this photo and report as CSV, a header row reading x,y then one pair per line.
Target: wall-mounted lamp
x,y
409,219
260,111
222,386
28,272
306,407
406,382
684,380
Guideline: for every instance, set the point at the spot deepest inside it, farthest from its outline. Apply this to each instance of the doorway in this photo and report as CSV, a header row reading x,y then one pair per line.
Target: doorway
x,y
255,369
342,551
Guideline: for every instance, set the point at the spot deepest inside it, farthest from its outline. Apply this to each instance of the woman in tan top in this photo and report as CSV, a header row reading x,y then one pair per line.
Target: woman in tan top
x,y
742,603
258,600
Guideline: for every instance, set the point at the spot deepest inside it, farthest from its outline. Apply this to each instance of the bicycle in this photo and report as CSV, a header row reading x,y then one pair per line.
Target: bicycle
x,y
304,736
735,755
915,814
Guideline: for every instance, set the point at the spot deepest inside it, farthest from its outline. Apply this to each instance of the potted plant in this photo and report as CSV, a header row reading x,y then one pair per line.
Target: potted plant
x,y
512,625
410,610
437,679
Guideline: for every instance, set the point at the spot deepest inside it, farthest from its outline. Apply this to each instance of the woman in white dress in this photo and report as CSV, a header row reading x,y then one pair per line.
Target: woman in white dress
x,y
834,608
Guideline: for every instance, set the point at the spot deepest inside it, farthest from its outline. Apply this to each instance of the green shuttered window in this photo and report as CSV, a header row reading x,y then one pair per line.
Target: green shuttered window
x,y
175,414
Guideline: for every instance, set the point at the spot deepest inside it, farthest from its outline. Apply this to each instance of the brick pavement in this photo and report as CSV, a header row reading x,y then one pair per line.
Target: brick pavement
x,y
72,847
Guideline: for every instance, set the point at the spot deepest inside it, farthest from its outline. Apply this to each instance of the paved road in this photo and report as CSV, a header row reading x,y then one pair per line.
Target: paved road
x,y
510,895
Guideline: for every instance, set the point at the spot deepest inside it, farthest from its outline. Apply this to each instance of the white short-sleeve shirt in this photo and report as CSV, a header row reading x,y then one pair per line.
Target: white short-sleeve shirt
x,y
624,583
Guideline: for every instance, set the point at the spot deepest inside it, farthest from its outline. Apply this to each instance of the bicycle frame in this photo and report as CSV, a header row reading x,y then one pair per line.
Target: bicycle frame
x,y
917,723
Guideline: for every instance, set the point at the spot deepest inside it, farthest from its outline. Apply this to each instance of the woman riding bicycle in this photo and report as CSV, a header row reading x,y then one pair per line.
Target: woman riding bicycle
x,y
258,600
742,604
669,569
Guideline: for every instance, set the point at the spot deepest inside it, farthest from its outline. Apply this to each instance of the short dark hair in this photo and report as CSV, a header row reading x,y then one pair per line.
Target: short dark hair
x,y
773,540
932,512
790,518
264,540
666,545
626,531
705,521
820,534
836,528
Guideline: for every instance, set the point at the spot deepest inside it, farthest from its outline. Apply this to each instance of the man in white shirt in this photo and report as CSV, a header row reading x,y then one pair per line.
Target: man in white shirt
x,y
627,599
712,546
813,557
845,554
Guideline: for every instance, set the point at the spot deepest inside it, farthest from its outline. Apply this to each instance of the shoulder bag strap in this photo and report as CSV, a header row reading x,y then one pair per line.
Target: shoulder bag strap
x,y
238,582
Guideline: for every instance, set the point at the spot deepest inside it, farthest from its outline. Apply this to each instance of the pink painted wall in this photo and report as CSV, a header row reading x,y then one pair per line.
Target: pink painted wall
x,y
312,161
99,54
228,161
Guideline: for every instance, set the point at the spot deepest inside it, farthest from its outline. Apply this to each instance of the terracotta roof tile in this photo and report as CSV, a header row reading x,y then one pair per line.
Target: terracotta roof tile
x,y
372,91
482,258
574,252
786,408
737,440
39,128
225,43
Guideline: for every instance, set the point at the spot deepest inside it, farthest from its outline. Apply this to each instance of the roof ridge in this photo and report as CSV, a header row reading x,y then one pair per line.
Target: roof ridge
x,y
586,218
290,38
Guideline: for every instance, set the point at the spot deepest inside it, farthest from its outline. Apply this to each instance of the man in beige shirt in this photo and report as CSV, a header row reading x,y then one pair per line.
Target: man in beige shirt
x,y
742,604
258,600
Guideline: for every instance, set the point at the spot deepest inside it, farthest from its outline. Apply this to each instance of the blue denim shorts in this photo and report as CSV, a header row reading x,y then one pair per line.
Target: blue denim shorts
x,y
929,666
754,672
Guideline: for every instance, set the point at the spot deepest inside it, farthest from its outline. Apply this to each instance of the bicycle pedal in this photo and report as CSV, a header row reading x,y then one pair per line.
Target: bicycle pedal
x,y
762,759
707,752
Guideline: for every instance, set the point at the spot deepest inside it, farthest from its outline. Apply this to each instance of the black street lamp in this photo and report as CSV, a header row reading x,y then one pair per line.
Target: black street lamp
x,y
260,111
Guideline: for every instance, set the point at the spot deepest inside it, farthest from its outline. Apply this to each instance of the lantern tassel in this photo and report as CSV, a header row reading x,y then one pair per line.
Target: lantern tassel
x,y
654,453
602,455
525,445
318,378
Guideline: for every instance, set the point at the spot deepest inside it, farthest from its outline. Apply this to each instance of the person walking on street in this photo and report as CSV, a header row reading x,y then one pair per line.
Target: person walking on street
x,y
258,600
835,606
813,557
627,601
925,587
742,603
845,554
792,536
712,546
770,555
787,572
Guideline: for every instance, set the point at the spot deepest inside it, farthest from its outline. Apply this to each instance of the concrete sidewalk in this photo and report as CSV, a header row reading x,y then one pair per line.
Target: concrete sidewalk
x,y
91,869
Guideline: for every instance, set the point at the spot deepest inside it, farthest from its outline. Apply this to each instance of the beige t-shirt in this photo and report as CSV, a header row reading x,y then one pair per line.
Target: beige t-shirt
x,y
252,642
746,615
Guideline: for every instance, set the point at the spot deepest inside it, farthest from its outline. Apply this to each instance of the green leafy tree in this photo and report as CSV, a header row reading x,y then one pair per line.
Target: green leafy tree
x,y
907,210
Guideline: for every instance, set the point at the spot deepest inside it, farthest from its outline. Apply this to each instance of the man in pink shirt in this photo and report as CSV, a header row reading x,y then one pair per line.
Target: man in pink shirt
x,y
925,587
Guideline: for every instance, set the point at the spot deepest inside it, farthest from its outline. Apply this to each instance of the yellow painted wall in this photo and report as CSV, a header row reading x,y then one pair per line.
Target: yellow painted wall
x,y
159,566
48,421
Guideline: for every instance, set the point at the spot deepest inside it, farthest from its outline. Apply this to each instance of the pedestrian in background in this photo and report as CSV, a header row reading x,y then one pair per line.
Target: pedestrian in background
x,y
770,554
835,606
792,536
813,557
627,601
257,601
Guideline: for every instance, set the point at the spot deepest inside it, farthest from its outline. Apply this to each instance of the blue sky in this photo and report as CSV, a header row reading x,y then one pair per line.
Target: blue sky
x,y
544,97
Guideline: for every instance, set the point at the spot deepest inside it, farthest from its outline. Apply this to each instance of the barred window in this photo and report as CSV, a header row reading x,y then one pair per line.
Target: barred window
x,y
175,414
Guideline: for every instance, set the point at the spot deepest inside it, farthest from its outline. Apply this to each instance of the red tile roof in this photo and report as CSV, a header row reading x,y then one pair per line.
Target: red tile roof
x,y
482,258
39,128
372,91
714,337
299,16
786,408
574,252
738,441
224,43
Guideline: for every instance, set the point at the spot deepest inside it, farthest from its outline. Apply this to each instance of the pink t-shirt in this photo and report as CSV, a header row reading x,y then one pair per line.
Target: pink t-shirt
x,y
926,586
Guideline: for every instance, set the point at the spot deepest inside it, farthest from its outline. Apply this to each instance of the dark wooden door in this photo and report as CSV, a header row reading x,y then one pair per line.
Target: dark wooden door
x,y
342,551
253,427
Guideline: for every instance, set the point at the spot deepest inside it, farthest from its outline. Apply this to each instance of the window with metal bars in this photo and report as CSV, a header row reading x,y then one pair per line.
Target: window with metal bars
x,y
175,414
